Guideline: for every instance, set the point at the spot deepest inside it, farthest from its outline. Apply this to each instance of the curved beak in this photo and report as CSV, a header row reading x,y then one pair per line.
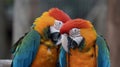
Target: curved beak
x,y
54,34
76,42
55,37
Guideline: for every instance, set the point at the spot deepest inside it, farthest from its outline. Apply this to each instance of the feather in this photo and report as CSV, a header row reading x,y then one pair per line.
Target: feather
x,y
62,58
25,53
103,52
65,42
14,47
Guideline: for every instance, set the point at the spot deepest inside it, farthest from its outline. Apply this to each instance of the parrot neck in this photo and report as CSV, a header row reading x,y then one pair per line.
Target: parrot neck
x,y
45,33
90,36
45,38
48,43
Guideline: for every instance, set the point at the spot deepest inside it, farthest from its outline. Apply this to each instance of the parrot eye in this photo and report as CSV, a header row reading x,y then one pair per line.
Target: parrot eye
x,y
74,32
58,24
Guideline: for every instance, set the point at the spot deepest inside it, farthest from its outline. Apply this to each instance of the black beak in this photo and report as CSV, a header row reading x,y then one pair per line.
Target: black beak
x,y
73,44
55,36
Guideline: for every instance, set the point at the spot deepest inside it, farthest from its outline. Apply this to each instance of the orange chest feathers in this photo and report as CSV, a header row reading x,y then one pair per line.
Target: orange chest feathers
x,y
82,59
46,57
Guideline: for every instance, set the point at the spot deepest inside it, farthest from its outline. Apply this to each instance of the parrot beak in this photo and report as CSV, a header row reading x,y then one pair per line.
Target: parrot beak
x,y
54,34
76,42
72,43
55,37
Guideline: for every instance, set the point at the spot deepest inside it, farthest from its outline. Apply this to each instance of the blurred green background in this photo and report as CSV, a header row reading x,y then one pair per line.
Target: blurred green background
x,y
16,17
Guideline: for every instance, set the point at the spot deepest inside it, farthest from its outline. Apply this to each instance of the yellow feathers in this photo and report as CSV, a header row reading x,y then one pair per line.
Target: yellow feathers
x,y
45,58
90,36
43,22
82,59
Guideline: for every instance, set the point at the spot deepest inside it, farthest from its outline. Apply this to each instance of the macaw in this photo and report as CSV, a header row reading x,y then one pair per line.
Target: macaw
x,y
38,47
82,46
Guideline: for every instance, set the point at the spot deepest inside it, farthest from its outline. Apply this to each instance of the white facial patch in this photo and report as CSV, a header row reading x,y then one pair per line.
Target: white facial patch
x,y
53,29
64,41
75,35
75,32
56,27
58,24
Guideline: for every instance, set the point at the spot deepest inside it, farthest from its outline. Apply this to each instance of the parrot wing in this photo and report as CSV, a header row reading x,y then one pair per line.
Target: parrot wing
x,y
62,58
103,52
18,43
26,50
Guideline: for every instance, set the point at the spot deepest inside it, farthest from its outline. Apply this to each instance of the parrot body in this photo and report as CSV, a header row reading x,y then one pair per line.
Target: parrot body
x,y
41,26
91,51
47,55
38,47
79,59
26,50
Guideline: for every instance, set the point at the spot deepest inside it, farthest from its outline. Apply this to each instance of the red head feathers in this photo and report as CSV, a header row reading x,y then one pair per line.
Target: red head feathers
x,y
59,15
76,23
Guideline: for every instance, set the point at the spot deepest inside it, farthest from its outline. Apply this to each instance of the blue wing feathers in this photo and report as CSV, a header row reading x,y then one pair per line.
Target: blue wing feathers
x,y
103,52
62,58
25,53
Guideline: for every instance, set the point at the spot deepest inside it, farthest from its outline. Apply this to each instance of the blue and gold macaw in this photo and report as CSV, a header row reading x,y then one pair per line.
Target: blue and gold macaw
x,y
37,48
82,46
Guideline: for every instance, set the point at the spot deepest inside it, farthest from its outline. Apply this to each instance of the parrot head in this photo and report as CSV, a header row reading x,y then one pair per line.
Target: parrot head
x,y
60,18
53,20
72,34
